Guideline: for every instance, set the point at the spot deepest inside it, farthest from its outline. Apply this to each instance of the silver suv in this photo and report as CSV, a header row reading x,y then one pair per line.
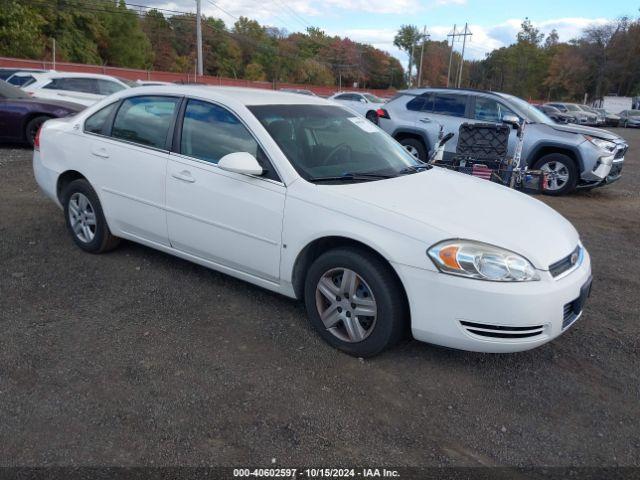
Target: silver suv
x,y
573,156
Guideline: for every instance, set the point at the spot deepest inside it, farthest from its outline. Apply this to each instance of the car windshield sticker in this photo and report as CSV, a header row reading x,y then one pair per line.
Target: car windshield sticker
x,y
364,124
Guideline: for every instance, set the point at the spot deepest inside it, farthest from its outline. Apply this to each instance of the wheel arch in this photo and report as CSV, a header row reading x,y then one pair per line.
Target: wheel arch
x,y
545,148
402,133
64,179
317,247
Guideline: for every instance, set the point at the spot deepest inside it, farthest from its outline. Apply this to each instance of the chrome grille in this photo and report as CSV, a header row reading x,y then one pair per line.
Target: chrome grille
x,y
564,264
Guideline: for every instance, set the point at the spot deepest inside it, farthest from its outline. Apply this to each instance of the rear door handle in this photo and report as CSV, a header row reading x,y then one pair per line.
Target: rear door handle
x,y
184,175
425,120
100,152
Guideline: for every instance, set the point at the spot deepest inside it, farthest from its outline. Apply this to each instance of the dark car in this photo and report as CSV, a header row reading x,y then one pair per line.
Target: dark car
x,y
630,118
556,115
21,115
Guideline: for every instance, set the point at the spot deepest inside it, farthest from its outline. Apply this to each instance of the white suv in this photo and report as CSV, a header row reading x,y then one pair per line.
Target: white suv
x,y
83,88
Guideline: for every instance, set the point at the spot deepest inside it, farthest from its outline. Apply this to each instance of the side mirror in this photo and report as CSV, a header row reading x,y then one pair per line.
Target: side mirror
x,y
362,100
511,120
241,162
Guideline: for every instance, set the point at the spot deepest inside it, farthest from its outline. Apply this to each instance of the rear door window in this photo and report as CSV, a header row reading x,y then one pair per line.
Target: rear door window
x,y
145,120
449,104
84,85
97,123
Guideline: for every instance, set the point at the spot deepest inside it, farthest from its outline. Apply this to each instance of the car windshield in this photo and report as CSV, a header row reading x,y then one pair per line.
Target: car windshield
x,y
633,113
9,91
524,108
571,107
323,141
372,98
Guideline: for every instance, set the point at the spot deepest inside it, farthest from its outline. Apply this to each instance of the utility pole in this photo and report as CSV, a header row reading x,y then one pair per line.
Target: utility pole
x,y
424,39
453,39
199,36
413,46
464,42
53,53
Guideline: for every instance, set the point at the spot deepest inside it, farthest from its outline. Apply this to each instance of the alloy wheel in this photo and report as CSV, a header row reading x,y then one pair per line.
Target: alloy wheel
x,y
412,150
346,305
557,175
82,217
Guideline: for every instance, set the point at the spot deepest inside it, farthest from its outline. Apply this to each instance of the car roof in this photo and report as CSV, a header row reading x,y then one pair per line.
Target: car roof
x,y
241,95
53,74
419,91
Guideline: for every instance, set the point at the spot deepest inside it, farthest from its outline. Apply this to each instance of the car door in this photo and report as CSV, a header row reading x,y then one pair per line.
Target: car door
x,y
490,110
230,219
127,154
74,89
449,110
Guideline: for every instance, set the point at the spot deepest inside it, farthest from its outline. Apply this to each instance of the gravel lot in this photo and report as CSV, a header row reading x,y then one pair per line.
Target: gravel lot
x,y
139,358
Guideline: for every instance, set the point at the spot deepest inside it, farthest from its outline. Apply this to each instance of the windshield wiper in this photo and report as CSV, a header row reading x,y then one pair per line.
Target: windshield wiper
x,y
415,168
350,176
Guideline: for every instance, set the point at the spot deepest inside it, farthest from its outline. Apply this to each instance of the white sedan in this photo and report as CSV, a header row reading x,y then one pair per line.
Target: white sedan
x,y
300,196
366,104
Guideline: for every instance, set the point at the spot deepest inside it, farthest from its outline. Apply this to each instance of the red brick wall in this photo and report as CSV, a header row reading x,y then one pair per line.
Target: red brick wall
x,y
134,74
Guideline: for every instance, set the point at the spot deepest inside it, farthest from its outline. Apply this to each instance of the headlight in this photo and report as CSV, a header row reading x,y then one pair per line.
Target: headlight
x,y
481,261
602,144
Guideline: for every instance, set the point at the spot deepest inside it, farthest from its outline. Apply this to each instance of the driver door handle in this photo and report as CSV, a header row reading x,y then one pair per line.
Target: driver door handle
x,y
100,152
184,175
425,120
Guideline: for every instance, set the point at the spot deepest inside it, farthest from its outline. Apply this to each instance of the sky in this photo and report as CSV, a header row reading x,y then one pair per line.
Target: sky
x,y
493,23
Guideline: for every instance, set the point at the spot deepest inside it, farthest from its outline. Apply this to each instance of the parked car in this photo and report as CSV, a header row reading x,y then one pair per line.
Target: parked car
x,y
610,119
83,88
5,73
582,117
365,104
301,91
556,115
21,115
630,118
572,155
23,78
318,204
600,120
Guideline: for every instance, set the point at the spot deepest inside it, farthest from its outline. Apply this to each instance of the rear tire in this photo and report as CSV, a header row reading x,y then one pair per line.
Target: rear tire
x,y
415,147
85,220
562,173
32,127
360,298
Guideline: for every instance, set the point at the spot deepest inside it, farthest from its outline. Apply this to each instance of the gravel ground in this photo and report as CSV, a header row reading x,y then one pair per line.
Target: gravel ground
x,y
139,358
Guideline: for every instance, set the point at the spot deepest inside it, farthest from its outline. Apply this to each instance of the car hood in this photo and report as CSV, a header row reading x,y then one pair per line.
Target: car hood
x,y
448,204
74,107
594,132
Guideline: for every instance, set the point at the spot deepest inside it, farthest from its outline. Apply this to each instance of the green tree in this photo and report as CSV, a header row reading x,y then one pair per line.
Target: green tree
x,y
20,30
406,39
161,37
126,44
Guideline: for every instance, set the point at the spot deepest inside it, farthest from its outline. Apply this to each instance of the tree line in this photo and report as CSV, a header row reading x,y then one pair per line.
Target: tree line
x,y
110,32
604,60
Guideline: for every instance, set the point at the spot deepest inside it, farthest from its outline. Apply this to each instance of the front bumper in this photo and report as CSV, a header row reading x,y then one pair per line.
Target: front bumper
x,y
491,317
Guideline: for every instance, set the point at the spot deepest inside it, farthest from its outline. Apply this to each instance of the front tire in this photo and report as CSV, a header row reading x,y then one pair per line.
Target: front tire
x,y
85,220
562,174
415,147
355,302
